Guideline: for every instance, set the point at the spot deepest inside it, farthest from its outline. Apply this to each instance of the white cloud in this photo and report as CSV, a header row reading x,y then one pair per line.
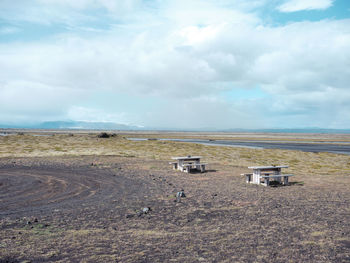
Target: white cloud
x,y
299,5
93,114
187,55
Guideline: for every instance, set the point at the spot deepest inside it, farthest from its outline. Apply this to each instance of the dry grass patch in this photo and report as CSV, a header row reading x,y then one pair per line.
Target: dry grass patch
x,y
301,163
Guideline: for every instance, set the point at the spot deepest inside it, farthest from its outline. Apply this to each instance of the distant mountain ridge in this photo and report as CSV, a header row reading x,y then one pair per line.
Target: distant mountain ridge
x,y
84,125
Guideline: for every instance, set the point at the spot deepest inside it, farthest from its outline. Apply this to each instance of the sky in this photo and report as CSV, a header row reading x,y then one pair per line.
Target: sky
x,y
183,64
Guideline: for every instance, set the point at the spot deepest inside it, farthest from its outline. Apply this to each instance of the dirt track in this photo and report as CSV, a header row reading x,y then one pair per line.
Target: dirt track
x,y
72,209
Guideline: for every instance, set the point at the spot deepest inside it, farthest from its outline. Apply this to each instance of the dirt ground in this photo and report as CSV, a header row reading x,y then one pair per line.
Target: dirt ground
x,y
88,209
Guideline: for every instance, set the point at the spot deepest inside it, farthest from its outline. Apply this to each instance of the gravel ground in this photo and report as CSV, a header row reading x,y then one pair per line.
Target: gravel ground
x,y
89,209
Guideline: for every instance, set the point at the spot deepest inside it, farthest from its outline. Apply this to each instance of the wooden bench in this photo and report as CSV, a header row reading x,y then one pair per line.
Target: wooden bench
x,y
248,177
199,166
174,165
268,177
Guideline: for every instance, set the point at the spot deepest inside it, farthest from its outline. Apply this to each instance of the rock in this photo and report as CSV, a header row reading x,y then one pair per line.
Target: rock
x,y
35,220
103,135
29,223
129,216
146,210
180,194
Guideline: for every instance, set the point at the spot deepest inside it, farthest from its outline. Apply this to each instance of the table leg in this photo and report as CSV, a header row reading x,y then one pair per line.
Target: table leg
x,y
256,176
278,172
180,166
196,165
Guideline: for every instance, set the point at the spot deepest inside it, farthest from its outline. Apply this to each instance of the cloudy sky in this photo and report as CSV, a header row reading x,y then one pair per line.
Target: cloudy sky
x,y
176,63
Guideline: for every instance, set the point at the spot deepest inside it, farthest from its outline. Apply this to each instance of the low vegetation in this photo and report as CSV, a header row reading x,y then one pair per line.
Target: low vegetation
x,y
302,163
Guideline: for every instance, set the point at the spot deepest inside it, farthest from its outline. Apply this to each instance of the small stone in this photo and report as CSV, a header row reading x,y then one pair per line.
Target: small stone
x,y
129,216
29,223
146,210
180,194
35,220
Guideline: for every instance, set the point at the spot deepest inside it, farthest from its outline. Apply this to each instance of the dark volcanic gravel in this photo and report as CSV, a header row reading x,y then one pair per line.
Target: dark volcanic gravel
x,y
92,209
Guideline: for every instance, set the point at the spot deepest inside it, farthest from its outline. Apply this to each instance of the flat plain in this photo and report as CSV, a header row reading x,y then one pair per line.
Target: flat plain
x,y
74,197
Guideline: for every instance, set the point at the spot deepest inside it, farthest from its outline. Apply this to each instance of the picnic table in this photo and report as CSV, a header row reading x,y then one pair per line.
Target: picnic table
x,y
266,173
188,163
